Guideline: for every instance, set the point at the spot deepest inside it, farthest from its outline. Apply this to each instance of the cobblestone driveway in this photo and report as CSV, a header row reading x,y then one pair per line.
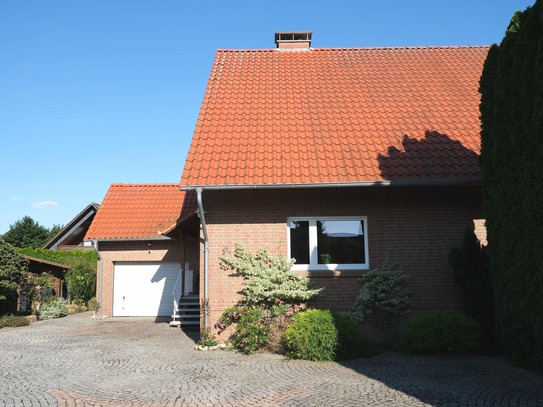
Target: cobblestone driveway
x,y
78,361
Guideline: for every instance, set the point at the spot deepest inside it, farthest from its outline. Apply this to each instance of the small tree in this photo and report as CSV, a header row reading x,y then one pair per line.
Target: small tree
x,y
13,271
385,290
268,279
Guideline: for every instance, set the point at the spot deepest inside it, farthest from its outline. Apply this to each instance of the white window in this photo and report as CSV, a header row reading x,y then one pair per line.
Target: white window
x,y
328,243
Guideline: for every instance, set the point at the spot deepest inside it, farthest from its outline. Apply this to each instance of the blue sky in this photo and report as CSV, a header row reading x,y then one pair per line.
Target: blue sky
x,y
100,92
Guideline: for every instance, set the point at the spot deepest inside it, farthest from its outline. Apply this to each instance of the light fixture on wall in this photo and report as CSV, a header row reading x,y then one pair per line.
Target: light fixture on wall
x,y
149,245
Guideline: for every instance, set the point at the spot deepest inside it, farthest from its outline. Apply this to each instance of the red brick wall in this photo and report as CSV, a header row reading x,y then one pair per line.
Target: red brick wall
x,y
163,251
415,227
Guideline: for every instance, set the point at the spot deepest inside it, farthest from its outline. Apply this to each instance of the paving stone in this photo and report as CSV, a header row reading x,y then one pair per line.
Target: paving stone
x,y
135,362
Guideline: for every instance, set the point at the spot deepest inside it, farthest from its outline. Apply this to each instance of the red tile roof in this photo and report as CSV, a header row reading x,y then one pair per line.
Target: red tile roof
x,y
140,211
328,116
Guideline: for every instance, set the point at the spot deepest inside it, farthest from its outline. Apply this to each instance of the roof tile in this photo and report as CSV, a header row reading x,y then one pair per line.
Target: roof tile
x,y
140,211
273,117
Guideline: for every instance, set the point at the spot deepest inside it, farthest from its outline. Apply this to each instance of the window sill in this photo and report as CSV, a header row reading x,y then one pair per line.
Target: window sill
x,y
330,273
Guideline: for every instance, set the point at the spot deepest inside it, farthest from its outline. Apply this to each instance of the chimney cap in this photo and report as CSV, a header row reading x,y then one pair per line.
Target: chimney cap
x,y
293,39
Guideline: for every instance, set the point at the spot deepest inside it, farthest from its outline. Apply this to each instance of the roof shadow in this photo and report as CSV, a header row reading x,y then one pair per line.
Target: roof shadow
x,y
436,157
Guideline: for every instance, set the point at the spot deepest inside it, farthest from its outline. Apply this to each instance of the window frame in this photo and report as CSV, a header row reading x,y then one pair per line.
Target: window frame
x,y
313,248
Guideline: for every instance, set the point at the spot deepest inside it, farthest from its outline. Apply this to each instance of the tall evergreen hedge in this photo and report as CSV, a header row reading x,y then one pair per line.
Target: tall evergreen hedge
x,y
512,166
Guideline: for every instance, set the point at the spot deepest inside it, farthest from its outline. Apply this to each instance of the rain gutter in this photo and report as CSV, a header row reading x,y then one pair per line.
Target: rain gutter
x,y
397,183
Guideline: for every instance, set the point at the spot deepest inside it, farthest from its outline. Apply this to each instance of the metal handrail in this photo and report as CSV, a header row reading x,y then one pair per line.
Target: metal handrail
x,y
174,292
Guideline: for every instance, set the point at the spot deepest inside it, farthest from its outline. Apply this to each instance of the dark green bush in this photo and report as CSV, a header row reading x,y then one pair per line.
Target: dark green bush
x,y
312,337
472,274
13,321
441,332
351,343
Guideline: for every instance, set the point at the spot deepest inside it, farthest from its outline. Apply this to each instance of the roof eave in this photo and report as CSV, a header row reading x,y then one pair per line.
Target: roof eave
x,y
126,239
394,183
81,217
43,261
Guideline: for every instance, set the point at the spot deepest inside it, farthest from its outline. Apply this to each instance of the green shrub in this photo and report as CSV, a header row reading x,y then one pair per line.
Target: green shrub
x,y
351,343
313,336
93,304
384,289
54,308
441,332
207,339
13,321
13,271
75,308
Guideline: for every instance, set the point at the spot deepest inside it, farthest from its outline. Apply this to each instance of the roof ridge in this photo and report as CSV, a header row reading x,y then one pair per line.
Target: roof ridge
x,y
164,184
354,48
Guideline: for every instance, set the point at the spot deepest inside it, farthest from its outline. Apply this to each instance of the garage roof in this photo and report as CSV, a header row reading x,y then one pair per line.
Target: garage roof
x,y
141,211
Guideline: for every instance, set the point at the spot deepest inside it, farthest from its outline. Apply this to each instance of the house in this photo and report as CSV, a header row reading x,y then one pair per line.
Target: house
x,y
141,271
339,158
70,237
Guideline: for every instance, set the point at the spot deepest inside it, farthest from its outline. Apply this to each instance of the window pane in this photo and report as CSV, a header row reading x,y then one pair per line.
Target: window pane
x,y
299,241
340,242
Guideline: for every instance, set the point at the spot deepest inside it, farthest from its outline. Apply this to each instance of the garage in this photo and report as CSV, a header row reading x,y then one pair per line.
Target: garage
x,y
144,289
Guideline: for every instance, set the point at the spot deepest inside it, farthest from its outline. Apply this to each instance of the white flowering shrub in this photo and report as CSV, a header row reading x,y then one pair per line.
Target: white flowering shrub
x,y
268,279
54,308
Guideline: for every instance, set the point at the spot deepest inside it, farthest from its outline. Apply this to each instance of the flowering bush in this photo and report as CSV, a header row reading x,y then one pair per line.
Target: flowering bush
x,y
253,324
251,327
37,288
271,296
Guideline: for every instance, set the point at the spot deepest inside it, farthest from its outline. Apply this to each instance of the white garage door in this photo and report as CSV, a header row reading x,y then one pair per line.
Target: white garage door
x,y
144,289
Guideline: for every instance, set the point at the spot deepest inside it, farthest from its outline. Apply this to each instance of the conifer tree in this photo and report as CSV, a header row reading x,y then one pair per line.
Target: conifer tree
x,y
512,166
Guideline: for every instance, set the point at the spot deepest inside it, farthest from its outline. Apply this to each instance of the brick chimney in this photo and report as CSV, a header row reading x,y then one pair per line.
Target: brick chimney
x,y
299,39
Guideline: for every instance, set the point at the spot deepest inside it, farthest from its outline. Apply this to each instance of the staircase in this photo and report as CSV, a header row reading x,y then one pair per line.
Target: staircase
x,y
187,312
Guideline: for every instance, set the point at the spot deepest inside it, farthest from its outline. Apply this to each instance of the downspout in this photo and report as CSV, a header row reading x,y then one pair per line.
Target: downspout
x,y
206,256
95,246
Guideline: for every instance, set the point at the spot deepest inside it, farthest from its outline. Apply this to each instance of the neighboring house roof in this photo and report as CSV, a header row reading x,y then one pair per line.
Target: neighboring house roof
x,y
73,233
37,263
141,211
309,117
